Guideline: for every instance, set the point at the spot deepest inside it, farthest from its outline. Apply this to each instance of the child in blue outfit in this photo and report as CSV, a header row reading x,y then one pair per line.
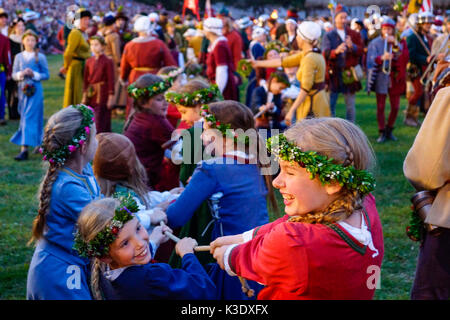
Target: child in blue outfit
x,y
56,270
231,181
30,68
121,251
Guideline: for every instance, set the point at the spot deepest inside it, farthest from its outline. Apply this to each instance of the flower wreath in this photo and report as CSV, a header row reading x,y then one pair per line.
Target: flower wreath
x,y
99,246
60,155
320,165
275,45
244,68
150,91
201,96
225,128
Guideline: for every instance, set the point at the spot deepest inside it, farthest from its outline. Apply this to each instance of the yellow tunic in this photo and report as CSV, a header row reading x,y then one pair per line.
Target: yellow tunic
x,y
77,47
311,71
196,44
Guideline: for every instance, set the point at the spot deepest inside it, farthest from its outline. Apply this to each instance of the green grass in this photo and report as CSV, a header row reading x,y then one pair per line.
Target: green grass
x,y
19,183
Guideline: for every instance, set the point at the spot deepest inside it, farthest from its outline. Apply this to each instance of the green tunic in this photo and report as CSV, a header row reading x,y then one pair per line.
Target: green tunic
x,y
202,216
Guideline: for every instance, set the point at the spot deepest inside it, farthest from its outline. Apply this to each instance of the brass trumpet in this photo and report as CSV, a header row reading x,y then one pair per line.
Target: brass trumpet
x,y
387,65
427,76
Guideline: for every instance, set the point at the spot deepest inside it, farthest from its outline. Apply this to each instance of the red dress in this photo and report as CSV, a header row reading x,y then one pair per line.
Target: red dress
x,y
149,132
143,57
98,85
235,43
221,56
311,261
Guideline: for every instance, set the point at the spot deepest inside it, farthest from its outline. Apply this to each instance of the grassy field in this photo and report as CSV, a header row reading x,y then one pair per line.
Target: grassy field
x,y
19,183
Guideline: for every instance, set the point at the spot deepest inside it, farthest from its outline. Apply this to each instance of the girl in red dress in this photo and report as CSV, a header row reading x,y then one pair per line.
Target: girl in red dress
x,y
329,245
219,62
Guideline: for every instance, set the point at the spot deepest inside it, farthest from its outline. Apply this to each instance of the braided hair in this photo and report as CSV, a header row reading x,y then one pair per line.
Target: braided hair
x,y
60,129
344,142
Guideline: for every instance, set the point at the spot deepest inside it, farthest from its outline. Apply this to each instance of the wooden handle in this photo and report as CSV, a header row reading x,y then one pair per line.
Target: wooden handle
x,y
176,239
202,248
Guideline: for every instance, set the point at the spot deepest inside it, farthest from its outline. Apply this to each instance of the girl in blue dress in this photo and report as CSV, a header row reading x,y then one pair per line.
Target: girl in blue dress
x,y
121,251
232,181
56,270
30,68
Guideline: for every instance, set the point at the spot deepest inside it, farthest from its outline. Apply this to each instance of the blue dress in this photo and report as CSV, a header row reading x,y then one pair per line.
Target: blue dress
x,y
56,271
241,204
159,281
31,108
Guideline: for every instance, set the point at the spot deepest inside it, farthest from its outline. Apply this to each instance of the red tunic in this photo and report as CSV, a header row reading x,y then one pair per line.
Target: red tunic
x,y
235,43
149,132
173,115
311,261
143,57
99,81
221,56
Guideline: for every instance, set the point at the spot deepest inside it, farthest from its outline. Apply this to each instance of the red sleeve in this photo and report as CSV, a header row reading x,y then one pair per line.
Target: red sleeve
x,y
277,258
269,226
125,67
162,131
222,54
237,49
110,75
8,58
356,39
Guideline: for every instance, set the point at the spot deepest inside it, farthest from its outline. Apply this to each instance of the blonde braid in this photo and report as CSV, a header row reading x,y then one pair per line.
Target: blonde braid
x,y
45,191
97,269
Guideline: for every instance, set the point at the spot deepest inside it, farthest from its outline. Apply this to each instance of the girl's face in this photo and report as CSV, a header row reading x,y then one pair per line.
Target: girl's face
x,y
157,105
29,42
189,115
272,54
277,87
96,47
301,194
131,247
19,28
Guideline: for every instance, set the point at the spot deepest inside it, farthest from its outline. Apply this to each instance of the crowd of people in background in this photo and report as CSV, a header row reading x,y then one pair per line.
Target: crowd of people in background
x,y
168,75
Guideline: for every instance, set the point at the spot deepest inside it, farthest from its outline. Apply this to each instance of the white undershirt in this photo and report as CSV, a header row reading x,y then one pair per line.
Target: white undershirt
x,y
341,34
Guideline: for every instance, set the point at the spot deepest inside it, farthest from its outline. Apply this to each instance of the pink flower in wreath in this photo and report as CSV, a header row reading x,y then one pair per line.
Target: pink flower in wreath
x,y
44,158
72,148
51,161
87,130
41,150
81,142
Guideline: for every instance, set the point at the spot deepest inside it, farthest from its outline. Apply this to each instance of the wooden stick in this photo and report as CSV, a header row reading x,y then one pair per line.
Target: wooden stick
x,y
176,239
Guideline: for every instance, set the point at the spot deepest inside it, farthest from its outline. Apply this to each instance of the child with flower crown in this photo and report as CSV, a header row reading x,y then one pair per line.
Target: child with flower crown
x,y
231,182
147,126
118,170
329,245
121,251
56,270
30,68
188,99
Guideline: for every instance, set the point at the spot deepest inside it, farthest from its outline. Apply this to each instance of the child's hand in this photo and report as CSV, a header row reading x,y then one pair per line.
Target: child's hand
x,y
218,255
184,246
225,241
163,205
178,190
157,216
158,236
110,103
62,70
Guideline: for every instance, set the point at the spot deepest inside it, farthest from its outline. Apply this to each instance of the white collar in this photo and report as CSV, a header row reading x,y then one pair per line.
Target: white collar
x,y
213,45
361,234
112,275
28,55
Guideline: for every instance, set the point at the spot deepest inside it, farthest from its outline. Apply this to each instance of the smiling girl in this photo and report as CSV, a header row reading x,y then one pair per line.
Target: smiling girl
x,y
329,245
121,251
147,126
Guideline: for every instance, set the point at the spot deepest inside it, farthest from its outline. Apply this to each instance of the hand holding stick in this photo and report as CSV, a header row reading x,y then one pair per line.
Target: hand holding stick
x,y
176,240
